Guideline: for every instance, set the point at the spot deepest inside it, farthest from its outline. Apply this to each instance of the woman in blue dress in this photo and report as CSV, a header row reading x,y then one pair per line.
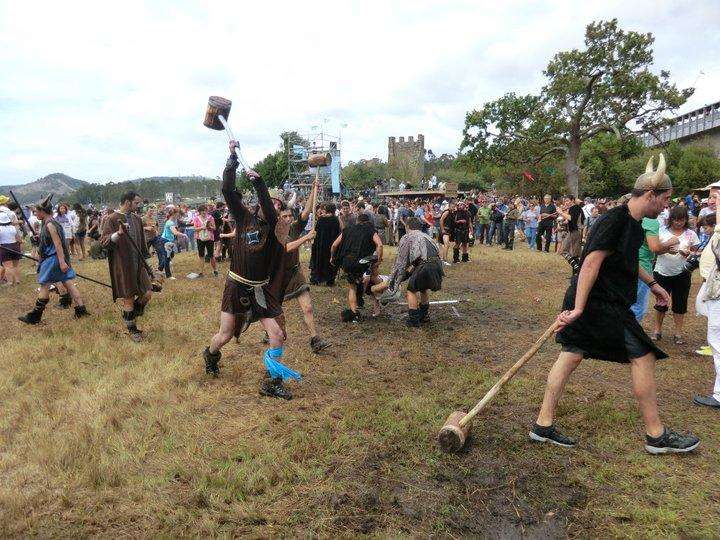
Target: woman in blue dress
x,y
54,265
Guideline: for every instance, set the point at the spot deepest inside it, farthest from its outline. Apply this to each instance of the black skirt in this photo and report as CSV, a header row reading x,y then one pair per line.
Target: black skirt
x,y
427,276
600,331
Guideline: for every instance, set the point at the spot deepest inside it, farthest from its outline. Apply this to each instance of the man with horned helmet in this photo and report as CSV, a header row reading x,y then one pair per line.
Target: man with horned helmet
x,y
124,237
54,265
596,321
256,258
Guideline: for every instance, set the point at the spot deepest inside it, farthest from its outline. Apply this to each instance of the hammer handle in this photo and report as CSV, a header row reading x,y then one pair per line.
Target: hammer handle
x,y
508,375
315,198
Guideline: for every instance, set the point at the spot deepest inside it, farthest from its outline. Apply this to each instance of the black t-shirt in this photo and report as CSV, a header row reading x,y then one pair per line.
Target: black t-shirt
x,y
547,209
617,232
577,217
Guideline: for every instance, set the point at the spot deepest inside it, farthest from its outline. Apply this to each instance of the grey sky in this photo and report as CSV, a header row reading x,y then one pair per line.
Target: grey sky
x,y
111,91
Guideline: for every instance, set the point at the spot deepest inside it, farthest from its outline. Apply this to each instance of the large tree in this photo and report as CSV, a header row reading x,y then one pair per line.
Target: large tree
x,y
606,87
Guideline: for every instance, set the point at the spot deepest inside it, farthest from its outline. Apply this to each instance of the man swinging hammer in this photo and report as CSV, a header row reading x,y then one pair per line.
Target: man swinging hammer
x,y
256,258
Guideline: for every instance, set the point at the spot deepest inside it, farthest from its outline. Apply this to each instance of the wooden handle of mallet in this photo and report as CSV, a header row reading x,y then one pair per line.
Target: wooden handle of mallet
x,y
508,375
315,198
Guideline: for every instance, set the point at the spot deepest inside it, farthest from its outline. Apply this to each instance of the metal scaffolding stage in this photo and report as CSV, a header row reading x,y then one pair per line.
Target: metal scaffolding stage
x,y
300,174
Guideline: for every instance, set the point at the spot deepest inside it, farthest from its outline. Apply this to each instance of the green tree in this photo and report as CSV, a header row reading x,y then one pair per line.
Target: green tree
x,y
363,173
697,167
605,88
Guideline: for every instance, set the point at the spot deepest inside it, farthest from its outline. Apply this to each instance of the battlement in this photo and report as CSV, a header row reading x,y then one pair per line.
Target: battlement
x,y
406,158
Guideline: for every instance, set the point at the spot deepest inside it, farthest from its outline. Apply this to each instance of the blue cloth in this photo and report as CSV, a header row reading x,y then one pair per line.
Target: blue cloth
x,y
639,308
49,269
275,368
167,233
531,236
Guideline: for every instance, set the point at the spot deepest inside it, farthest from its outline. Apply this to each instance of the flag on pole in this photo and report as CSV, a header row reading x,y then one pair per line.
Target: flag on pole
x,y
528,176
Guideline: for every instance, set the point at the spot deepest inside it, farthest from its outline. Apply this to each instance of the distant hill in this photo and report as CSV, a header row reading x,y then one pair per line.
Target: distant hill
x,y
60,184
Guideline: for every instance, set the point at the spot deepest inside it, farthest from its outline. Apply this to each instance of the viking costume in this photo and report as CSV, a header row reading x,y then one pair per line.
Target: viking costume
x,y
293,282
461,227
48,269
327,229
357,244
255,263
418,262
126,259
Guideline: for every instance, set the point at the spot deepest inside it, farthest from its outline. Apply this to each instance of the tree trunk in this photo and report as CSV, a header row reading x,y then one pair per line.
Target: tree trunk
x,y
572,169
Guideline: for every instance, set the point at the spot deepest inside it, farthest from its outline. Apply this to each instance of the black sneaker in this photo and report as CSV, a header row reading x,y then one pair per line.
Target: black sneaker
x,y
81,311
274,388
318,344
550,434
671,442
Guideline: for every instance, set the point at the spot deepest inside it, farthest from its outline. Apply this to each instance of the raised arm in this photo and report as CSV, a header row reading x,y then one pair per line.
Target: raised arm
x,y
263,195
232,196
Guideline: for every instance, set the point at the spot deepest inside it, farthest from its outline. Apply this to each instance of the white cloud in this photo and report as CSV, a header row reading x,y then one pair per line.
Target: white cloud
x,y
106,91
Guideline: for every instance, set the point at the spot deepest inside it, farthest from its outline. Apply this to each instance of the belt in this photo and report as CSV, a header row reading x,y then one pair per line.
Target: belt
x,y
256,286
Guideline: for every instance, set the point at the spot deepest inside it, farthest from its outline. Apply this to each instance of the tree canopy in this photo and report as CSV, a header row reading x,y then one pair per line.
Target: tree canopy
x,y
605,88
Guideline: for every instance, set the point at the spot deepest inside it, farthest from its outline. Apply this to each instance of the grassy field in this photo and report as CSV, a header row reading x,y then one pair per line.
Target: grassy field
x,y
104,437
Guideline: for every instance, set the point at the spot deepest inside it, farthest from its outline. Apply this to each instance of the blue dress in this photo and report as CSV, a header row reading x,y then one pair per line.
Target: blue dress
x,y
49,269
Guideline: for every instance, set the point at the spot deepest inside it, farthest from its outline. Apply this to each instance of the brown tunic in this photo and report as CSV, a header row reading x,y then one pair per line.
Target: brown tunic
x,y
128,275
256,253
290,282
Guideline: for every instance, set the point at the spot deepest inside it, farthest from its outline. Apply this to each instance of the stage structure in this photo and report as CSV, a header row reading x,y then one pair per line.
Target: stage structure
x,y
301,175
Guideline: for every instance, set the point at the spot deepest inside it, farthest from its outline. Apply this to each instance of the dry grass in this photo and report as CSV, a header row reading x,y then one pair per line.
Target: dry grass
x,y
103,437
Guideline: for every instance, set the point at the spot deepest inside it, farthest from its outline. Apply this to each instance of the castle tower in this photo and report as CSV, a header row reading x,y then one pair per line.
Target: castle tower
x,y
406,159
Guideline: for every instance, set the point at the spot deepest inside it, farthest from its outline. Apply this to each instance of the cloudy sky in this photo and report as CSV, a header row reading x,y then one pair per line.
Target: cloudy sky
x,y
112,91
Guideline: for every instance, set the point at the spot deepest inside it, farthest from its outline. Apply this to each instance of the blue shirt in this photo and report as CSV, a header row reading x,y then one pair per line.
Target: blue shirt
x,y
167,233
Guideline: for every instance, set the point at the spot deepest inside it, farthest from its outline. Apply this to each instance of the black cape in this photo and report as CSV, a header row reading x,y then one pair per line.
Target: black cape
x,y
327,230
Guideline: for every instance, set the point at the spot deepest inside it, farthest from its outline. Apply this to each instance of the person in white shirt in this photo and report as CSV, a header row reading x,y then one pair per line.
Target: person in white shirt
x,y
10,248
670,270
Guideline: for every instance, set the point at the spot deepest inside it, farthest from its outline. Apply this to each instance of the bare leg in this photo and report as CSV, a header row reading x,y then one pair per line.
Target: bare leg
x,y
412,300
44,292
644,388
352,297
71,287
274,332
380,287
679,322
424,297
224,333
556,380
307,311
659,318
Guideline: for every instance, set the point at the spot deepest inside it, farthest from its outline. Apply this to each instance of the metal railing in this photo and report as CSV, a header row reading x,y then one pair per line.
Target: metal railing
x,y
687,125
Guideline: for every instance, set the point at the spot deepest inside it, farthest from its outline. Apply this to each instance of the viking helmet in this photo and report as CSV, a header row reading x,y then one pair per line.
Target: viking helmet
x,y
45,204
655,180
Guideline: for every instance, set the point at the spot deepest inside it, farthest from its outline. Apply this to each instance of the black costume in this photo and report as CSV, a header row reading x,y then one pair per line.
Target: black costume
x,y
327,229
607,329
357,243
256,255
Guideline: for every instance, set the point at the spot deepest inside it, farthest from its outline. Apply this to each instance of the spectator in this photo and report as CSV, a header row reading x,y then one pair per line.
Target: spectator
x,y
548,213
530,219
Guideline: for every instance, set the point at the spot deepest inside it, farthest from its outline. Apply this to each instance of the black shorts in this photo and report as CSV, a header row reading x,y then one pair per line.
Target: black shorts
x,y
426,277
635,348
354,271
205,249
678,287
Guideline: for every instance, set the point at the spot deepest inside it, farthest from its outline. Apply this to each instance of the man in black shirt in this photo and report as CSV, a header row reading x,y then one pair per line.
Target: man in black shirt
x,y
548,213
597,321
572,245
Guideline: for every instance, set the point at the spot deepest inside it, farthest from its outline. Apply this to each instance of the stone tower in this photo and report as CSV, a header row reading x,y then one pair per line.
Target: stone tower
x,y
406,159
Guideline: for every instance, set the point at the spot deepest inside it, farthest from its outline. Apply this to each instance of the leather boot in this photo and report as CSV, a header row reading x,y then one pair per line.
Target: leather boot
x,y
34,316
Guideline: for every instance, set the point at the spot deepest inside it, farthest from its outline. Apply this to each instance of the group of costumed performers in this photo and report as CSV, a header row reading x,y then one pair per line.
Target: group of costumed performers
x,y
357,249
255,286
597,321
417,262
290,282
54,266
124,238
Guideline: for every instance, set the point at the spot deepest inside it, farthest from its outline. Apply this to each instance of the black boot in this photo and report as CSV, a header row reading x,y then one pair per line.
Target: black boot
x,y
212,362
413,320
456,255
318,344
35,315
424,309
129,319
465,257
80,312
359,295
65,301
274,388
138,308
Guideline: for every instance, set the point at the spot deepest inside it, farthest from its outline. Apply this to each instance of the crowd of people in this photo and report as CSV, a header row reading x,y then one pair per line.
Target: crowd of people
x,y
666,237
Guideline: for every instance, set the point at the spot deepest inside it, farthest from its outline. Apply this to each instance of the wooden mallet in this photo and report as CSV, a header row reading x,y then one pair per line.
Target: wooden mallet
x,y
453,434
317,160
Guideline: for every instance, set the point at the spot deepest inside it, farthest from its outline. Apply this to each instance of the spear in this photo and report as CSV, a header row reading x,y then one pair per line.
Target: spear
x,y
37,260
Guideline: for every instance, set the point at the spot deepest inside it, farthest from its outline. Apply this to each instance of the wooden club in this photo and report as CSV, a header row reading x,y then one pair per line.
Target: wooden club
x,y
453,434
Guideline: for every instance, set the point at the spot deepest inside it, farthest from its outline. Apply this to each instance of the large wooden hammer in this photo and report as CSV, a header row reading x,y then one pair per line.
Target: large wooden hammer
x,y
453,434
